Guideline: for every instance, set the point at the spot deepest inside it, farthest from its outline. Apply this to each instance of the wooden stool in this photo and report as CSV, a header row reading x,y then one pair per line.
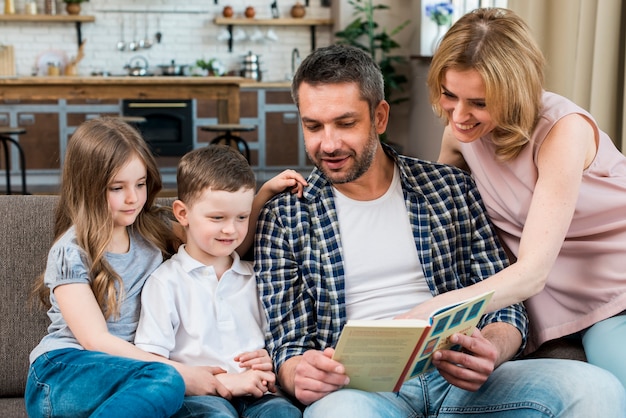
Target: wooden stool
x,y
5,133
228,138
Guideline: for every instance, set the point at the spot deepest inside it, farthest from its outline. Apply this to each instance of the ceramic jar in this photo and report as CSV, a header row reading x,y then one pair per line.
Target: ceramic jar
x,y
298,10
250,12
228,11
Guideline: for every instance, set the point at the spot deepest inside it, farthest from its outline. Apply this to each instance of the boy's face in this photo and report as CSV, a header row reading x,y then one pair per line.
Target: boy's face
x,y
216,222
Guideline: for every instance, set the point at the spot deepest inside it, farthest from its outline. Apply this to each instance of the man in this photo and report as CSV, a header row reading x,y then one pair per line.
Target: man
x,y
374,235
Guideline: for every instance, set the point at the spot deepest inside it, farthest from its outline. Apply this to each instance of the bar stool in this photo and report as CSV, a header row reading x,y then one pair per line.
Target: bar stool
x,y
5,132
228,138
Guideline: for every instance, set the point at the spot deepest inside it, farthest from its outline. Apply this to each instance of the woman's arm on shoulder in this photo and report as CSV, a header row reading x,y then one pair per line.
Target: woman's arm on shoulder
x,y
450,152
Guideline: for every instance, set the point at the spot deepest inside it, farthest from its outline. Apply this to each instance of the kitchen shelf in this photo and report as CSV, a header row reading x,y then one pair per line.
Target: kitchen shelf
x,y
77,19
311,23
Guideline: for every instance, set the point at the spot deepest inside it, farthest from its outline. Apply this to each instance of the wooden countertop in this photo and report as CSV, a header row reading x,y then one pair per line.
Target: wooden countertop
x,y
120,80
223,89
248,84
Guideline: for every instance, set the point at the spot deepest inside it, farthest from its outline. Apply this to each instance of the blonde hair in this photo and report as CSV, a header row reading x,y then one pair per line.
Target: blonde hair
x,y
498,45
96,152
218,167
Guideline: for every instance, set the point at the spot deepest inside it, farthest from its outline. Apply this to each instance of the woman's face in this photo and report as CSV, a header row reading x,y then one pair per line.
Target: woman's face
x,y
463,99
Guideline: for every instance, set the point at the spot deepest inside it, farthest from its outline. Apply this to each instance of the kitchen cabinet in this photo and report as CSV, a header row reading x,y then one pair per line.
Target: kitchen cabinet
x,y
230,22
49,124
276,144
78,20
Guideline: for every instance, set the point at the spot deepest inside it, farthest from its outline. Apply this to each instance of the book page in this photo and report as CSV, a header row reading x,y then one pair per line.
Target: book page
x,y
374,353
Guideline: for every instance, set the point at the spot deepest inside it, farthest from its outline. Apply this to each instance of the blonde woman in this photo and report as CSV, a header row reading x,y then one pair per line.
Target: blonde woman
x,y
553,184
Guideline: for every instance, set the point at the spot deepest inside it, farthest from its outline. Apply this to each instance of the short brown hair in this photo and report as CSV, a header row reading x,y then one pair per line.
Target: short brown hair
x,y
217,167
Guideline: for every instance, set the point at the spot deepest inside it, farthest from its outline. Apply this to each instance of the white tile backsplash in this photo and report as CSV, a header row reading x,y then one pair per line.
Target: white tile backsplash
x,y
187,28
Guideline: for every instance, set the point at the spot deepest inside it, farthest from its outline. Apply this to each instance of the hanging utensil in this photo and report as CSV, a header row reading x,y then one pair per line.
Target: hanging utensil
x,y
158,36
145,43
134,45
121,44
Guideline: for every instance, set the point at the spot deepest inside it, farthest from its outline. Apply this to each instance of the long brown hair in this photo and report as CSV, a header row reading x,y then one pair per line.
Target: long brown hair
x,y
498,45
98,149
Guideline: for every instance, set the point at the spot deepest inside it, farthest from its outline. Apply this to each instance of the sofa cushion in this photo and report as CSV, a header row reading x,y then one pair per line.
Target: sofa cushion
x,y
25,237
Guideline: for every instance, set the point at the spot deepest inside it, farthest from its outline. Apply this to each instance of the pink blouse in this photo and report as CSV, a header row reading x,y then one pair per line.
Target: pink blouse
x,y
588,280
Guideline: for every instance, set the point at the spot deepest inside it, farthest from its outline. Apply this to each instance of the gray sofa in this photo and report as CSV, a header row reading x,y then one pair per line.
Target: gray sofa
x,y
25,237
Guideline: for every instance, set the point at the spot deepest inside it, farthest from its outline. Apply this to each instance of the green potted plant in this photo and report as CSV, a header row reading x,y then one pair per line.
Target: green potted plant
x,y
364,33
72,7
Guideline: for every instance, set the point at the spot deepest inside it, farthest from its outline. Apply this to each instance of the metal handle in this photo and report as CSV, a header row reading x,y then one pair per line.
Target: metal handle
x,y
156,105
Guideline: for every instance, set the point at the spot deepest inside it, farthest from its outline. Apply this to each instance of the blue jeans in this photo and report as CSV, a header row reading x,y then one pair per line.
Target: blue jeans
x,y
268,406
604,345
81,383
524,388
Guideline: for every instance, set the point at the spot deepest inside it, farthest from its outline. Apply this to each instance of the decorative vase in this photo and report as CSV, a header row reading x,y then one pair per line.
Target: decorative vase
x,y
72,8
441,30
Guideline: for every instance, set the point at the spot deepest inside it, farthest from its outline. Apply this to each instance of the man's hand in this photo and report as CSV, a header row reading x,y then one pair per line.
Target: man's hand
x,y
471,367
313,375
481,354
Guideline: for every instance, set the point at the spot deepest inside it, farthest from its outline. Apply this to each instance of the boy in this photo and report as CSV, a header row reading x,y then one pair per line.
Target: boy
x,y
201,307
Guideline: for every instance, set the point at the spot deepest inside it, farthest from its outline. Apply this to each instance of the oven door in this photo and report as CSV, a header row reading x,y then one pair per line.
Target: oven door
x,y
169,124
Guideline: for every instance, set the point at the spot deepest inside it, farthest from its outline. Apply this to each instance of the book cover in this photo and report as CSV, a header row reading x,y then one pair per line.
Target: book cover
x,y
380,355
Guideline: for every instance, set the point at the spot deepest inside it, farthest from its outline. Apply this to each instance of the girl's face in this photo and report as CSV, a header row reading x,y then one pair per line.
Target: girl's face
x,y
216,222
127,193
463,99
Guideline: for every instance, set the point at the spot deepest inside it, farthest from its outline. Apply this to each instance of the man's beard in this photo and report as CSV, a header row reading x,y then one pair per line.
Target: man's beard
x,y
362,162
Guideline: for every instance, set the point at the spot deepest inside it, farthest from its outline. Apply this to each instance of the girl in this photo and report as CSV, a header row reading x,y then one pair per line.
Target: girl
x,y
108,238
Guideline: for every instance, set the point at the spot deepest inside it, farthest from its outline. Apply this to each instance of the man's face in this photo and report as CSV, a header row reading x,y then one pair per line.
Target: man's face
x,y
339,135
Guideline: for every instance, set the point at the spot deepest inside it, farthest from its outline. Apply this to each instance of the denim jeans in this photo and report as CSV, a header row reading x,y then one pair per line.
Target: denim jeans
x,y
268,406
604,345
524,388
81,383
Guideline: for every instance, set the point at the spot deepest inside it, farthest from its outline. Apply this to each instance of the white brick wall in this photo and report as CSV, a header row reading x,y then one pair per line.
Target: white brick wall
x,y
188,34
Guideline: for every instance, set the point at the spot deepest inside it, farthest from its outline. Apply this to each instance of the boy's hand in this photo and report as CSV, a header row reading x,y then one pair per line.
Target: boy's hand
x,y
250,382
255,360
288,179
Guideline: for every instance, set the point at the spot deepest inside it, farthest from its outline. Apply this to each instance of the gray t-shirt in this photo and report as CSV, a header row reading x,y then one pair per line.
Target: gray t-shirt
x,y
67,264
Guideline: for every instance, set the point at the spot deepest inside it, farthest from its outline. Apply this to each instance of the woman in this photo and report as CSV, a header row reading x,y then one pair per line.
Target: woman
x,y
553,183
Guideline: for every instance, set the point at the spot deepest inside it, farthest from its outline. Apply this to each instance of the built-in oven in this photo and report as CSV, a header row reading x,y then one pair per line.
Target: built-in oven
x,y
168,128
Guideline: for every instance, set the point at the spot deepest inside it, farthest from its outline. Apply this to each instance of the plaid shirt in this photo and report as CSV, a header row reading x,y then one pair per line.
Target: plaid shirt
x,y
299,261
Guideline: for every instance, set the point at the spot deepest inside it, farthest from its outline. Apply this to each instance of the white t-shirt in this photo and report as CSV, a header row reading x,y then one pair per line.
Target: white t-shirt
x,y
189,316
384,275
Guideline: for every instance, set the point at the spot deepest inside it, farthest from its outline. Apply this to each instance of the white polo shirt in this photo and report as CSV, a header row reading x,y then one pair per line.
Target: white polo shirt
x,y
189,316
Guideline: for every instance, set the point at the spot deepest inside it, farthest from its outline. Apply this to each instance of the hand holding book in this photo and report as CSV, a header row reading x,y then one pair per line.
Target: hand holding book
x,y
380,355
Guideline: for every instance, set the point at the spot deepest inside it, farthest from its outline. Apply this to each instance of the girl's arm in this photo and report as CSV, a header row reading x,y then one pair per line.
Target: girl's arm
x,y
288,179
567,150
82,313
